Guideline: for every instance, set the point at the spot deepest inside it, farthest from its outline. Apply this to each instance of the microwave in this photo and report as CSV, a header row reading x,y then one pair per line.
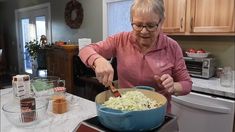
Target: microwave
x,y
200,67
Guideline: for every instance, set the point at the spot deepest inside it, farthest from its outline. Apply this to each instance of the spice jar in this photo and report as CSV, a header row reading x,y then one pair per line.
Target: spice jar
x,y
28,107
59,104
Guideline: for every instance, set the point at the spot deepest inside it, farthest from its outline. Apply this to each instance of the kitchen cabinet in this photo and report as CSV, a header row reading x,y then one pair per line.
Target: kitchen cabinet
x,y
175,12
60,63
212,16
199,17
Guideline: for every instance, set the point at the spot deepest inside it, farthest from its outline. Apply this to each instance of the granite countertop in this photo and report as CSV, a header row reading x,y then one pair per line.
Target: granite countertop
x,y
212,86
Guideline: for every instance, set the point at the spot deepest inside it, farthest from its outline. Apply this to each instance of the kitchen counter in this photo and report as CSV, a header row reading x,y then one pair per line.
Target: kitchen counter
x,y
80,109
212,86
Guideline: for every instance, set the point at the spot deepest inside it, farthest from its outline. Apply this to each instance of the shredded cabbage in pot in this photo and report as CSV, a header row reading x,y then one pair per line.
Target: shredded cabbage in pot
x,y
132,101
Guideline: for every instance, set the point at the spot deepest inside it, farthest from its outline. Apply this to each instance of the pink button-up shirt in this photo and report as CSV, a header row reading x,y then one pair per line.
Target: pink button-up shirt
x,y
135,68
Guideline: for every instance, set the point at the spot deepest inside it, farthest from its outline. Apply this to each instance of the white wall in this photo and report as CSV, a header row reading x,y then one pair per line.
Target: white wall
x,y
91,26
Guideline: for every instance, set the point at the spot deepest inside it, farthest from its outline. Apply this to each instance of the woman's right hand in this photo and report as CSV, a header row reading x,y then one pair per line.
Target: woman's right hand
x,y
104,71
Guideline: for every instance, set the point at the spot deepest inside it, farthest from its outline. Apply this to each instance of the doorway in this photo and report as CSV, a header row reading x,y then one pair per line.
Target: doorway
x,y
31,23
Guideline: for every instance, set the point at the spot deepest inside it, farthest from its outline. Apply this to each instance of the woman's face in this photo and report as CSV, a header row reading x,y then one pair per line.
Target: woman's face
x,y
151,21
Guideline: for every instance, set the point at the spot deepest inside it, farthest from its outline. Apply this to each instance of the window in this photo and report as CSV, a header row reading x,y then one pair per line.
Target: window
x,y
40,26
31,23
116,16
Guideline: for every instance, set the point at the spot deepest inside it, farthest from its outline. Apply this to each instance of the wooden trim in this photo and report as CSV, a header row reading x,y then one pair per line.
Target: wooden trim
x,y
171,29
212,29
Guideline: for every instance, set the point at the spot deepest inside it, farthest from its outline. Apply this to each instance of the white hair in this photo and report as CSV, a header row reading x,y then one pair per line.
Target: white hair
x,y
146,6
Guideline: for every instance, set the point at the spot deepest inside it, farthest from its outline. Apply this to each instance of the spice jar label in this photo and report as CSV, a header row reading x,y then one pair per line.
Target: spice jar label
x,y
28,106
21,85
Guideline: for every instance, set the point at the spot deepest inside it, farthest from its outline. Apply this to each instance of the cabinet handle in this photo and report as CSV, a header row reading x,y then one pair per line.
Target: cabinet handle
x,y
181,23
191,23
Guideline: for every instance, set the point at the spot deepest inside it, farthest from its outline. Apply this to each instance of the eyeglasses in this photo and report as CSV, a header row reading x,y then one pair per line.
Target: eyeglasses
x,y
151,27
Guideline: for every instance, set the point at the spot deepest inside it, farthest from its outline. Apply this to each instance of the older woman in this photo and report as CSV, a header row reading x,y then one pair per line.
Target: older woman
x,y
144,55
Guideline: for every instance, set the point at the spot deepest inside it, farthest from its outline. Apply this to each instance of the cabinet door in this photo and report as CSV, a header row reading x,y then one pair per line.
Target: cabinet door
x,y
50,62
214,16
175,12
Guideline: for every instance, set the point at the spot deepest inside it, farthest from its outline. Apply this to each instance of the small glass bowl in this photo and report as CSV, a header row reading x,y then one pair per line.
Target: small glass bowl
x,y
43,86
12,112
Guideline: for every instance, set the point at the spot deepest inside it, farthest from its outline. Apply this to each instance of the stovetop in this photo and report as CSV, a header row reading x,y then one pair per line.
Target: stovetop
x,y
170,124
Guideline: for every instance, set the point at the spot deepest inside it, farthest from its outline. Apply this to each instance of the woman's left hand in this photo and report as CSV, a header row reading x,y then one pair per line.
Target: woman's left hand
x,y
167,82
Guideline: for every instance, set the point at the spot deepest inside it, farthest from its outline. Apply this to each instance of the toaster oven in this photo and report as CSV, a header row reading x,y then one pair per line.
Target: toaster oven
x,y
200,67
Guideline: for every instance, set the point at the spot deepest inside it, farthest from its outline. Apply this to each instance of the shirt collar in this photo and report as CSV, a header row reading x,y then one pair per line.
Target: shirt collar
x,y
160,44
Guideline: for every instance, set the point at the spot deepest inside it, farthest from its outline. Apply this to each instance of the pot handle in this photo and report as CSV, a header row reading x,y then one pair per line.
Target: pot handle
x,y
112,112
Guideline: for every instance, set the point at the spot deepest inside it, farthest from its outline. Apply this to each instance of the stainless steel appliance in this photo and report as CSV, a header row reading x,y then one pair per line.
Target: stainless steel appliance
x,y
200,67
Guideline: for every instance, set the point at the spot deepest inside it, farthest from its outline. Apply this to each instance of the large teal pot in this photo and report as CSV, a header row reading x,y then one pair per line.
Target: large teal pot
x,y
131,120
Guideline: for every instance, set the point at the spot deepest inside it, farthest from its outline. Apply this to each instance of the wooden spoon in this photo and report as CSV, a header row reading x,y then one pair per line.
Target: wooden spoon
x,y
111,87
115,92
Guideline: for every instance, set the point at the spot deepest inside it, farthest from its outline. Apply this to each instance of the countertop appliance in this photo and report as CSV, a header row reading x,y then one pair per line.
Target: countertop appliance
x,y
205,110
200,67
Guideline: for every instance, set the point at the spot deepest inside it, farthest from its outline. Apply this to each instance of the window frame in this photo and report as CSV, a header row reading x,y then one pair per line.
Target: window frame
x,y
30,12
105,14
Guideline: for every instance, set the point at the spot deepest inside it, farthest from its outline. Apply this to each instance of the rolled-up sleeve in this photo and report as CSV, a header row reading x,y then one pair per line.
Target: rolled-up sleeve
x,y
180,72
88,55
106,49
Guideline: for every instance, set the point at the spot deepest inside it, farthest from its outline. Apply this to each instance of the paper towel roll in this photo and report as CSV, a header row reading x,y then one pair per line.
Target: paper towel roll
x,y
82,42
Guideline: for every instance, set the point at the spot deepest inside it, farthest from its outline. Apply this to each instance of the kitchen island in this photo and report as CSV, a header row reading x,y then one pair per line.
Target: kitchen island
x,y
80,109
